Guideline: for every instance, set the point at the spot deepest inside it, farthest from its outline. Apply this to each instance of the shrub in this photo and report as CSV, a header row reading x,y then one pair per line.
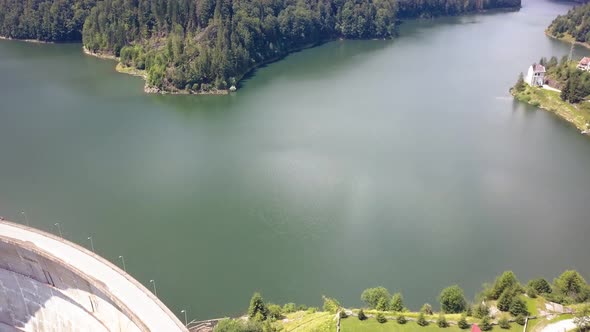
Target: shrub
x,y
383,304
462,323
397,302
582,318
520,320
289,308
401,319
275,311
531,292
331,305
302,307
485,324
503,322
481,310
257,308
196,87
312,310
426,309
505,300
506,281
469,310
518,307
343,314
362,315
372,296
540,285
422,320
452,300
573,285
381,318
442,321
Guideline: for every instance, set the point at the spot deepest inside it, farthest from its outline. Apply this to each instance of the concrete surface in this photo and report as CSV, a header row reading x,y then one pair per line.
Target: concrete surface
x,y
48,284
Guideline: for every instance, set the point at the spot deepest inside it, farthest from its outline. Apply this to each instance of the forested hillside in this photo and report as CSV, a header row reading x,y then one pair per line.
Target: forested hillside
x,y
203,45
576,24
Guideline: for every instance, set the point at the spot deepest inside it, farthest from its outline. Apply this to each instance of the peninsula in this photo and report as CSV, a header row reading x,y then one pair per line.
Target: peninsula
x,y
206,46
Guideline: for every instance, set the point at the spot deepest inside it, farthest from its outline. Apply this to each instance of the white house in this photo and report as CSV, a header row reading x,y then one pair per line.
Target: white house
x,y
535,75
584,64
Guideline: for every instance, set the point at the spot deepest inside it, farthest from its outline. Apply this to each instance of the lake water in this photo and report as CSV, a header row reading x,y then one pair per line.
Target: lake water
x,y
401,163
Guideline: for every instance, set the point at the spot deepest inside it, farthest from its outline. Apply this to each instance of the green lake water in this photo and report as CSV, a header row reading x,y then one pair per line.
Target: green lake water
x,y
403,163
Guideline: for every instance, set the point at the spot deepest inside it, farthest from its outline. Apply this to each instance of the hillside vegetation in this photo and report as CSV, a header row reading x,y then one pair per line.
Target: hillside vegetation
x,y
203,45
573,26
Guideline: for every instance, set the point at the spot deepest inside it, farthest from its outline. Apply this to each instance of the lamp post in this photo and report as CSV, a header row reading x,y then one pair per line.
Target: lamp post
x,y
58,225
26,219
185,318
153,282
123,260
91,243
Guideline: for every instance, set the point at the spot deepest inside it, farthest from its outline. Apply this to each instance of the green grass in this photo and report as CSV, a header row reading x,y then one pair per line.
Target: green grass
x,y
532,305
303,321
578,114
352,324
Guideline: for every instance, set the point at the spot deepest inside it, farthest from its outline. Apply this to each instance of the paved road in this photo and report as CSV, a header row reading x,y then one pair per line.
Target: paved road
x,y
561,326
151,312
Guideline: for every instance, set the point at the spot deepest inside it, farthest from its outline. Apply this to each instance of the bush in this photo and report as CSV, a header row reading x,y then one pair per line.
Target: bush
x,y
362,315
505,300
381,318
312,310
520,320
518,307
506,281
452,300
469,310
572,284
531,292
289,308
397,302
426,309
257,308
302,307
481,310
331,305
383,304
343,314
275,311
422,320
462,323
540,285
442,321
401,319
503,323
485,324
372,296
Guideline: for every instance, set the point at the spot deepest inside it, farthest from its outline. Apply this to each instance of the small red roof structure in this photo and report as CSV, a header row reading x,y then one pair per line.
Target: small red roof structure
x,y
475,328
585,61
538,68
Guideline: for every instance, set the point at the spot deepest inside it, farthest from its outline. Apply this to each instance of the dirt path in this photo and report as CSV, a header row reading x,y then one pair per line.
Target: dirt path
x,y
564,325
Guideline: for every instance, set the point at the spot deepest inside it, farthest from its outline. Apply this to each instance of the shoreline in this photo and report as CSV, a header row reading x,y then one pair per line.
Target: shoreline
x,y
32,41
567,38
121,68
541,98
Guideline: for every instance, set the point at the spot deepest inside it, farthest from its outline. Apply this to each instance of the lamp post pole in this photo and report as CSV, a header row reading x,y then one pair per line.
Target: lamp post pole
x,y
26,219
185,318
153,282
58,225
123,260
91,243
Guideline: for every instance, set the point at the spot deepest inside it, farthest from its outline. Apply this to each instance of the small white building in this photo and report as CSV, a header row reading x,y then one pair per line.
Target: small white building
x,y
584,64
535,75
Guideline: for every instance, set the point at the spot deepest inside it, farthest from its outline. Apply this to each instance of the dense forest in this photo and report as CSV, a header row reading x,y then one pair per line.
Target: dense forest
x,y
576,23
203,45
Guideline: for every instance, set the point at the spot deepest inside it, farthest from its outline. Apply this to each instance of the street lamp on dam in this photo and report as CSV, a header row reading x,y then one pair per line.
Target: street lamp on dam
x,y
58,225
91,243
153,282
123,261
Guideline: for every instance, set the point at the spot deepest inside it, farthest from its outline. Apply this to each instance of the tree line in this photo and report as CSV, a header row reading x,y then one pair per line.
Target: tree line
x,y
198,45
575,23
506,293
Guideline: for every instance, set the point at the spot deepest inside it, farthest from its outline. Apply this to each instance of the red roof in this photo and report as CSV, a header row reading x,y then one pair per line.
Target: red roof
x,y
585,61
475,328
538,68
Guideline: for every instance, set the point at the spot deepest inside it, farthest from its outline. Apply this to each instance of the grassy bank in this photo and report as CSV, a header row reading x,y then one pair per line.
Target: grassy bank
x,y
576,114
371,325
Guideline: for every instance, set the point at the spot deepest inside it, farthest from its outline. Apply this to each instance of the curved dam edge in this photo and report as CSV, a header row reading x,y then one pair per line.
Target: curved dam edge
x,y
141,306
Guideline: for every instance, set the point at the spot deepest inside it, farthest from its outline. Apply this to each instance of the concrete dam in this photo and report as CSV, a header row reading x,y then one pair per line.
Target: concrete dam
x,y
48,284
